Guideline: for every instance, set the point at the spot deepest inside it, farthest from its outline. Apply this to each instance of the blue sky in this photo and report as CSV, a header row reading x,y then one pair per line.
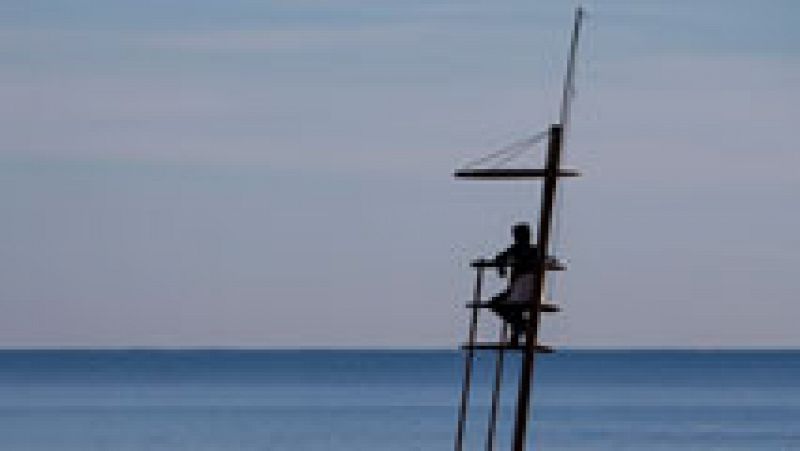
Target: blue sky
x,y
266,174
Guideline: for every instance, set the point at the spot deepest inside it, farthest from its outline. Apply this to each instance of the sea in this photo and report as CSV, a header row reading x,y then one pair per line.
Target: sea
x,y
354,400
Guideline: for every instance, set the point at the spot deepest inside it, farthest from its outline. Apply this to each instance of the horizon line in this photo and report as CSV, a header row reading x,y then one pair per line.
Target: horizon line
x,y
387,349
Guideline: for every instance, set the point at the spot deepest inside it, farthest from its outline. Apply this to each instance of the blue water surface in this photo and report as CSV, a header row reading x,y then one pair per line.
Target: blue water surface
x,y
392,400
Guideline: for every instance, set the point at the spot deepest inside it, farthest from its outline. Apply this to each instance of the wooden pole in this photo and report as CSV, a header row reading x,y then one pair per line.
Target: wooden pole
x,y
552,170
497,391
569,78
467,382
552,166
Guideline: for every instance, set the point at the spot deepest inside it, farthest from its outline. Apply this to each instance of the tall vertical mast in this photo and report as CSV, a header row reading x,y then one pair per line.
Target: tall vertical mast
x,y
552,168
569,77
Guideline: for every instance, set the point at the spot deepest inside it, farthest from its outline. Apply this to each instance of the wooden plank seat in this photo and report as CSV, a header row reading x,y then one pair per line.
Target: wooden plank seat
x,y
545,307
553,264
510,173
496,346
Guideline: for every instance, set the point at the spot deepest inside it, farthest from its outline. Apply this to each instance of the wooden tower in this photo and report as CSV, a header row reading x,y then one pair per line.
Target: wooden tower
x,y
531,311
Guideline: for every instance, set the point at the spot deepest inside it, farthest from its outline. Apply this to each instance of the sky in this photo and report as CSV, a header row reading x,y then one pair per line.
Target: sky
x,y
279,173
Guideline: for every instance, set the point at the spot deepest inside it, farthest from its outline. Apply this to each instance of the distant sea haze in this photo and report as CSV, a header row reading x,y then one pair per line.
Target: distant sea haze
x,y
392,400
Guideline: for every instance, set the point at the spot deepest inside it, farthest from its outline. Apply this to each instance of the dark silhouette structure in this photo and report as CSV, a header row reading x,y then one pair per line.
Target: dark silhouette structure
x,y
520,306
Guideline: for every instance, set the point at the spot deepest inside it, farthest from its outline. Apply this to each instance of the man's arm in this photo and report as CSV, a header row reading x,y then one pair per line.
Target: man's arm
x,y
501,261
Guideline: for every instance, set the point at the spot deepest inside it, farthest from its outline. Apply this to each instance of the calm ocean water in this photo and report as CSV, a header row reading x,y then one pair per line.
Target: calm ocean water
x,y
390,400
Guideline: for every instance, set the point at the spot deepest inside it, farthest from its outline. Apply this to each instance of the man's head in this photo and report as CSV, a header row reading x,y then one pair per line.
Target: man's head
x,y
522,233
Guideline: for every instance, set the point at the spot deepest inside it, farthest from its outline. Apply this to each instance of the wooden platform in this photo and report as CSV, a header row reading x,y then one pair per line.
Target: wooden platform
x,y
546,307
494,346
510,173
553,264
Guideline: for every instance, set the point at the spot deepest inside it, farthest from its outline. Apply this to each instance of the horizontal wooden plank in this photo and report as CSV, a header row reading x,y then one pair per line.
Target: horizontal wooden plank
x,y
540,349
546,307
553,264
510,173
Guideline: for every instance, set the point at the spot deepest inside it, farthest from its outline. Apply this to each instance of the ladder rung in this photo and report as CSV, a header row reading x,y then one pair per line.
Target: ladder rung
x,y
488,346
546,307
511,173
553,264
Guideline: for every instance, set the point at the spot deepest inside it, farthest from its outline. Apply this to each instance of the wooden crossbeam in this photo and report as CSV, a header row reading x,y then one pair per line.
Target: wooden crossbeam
x,y
552,264
511,173
545,307
494,346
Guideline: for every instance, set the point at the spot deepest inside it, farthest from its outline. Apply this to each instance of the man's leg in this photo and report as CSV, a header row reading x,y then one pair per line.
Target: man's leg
x,y
508,313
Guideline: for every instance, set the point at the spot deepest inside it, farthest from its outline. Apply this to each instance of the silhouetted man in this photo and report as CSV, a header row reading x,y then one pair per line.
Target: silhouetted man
x,y
521,259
